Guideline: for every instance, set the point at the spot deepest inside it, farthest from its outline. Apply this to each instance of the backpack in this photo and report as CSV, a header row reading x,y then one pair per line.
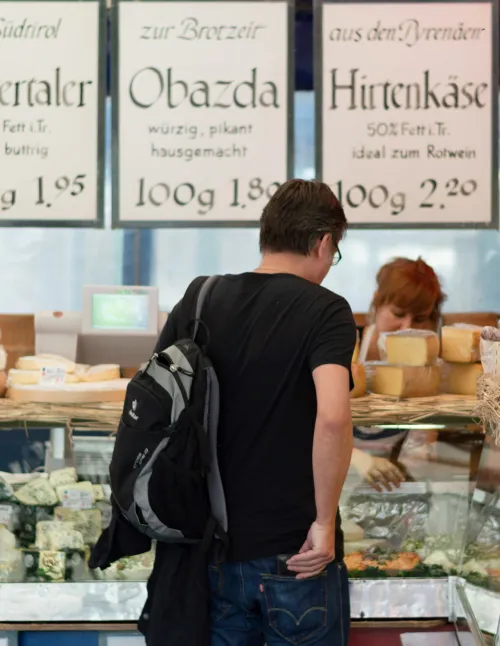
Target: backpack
x,y
165,478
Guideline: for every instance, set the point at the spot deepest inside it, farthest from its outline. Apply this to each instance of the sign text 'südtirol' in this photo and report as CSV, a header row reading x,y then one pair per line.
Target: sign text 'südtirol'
x,y
202,111
49,113
407,112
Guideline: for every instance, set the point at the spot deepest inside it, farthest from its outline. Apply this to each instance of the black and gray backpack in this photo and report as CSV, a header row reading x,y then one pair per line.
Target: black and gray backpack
x,y
164,472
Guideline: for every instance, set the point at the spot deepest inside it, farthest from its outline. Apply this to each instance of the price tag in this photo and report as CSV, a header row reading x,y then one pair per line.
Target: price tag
x,y
6,512
52,376
77,499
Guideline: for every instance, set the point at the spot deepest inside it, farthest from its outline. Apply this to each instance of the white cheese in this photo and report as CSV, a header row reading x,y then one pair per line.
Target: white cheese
x,y
105,372
45,361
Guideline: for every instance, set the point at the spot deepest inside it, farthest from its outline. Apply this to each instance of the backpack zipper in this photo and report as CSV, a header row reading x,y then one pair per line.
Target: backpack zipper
x,y
174,369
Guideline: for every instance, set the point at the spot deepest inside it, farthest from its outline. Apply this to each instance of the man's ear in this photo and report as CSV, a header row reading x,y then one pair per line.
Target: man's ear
x,y
325,245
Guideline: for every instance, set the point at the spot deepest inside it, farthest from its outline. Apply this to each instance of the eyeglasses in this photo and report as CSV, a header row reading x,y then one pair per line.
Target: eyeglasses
x,y
337,257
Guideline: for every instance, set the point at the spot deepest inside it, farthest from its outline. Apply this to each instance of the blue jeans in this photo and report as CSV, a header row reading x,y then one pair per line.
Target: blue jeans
x,y
252,605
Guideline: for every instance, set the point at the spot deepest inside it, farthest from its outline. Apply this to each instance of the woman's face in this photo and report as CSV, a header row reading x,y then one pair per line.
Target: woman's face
x,y
390,318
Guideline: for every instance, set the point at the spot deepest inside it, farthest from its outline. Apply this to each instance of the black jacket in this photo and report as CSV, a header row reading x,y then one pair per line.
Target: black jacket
x,y
177,609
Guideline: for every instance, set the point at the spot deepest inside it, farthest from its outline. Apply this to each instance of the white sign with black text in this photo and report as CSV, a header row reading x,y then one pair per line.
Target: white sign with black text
x,y
408,114
203,110
49,112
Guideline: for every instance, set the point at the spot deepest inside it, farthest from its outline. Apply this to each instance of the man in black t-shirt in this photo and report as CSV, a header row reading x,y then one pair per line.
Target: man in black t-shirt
x,y
282,346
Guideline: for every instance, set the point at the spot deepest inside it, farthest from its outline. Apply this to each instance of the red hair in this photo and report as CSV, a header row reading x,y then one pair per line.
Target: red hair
x,y
411,285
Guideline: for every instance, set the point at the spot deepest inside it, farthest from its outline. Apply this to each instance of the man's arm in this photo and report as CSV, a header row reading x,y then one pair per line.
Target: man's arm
x,y
332,448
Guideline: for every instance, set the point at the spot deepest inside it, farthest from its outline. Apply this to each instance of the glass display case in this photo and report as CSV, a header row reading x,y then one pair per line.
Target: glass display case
x,y
404,548
477,593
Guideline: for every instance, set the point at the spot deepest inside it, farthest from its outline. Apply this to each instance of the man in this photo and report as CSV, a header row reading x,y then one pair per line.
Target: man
x,y
282,346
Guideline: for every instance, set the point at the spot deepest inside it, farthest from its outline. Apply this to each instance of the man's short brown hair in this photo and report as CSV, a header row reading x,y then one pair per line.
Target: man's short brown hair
x,y
298,215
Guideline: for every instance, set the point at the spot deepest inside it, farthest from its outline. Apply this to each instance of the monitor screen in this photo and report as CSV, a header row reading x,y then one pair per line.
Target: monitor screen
x,y
120,312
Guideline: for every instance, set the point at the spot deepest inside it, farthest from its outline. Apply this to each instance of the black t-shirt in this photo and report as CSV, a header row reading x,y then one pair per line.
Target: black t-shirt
x,y
268,332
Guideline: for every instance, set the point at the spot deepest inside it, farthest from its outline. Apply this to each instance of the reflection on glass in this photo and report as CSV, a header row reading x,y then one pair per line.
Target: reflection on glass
x,y
416,529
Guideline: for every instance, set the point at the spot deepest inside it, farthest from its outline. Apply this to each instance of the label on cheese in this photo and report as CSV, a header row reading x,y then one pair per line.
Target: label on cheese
x,y
461,378
77,499
6,512
406,381
460,343
409,347
52,375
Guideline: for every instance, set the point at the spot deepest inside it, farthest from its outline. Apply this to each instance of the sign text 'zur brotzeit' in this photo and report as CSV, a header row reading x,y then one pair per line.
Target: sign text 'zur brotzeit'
x,y
49,113
202,111
407,128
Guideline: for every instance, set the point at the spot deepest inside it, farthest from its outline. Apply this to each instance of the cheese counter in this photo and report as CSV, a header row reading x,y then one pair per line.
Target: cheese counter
x,y
419,552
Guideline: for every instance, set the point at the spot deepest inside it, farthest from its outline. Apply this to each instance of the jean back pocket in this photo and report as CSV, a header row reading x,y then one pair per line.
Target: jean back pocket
x,y
297,609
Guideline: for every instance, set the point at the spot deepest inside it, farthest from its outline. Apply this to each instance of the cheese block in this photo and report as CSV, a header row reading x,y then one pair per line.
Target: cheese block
x,y
412,348
406,381
359,377
7,540
461,378
460,344
37,492
45,361
61,477
32,377
86,521
105,372
54,535
355,355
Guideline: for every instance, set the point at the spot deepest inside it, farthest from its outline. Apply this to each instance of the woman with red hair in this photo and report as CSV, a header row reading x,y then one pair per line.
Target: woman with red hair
x,y
408,295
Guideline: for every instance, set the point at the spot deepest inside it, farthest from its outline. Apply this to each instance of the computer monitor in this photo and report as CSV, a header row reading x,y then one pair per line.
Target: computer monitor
x,y
128,311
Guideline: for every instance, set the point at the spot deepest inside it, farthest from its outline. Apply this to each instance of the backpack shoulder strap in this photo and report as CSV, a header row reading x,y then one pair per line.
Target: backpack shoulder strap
x,y
202,295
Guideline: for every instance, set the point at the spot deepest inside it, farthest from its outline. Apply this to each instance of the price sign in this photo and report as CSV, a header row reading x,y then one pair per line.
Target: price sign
x,y
407,111
51,112
202,110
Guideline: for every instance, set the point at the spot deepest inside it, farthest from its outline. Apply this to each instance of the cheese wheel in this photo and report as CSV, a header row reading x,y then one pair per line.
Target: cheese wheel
x,y
359,377
461,378
45,361
412,348
104,372
355,355
406,381
32,377
460,344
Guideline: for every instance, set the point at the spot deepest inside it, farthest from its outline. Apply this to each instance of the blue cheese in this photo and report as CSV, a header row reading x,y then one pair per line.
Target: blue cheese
x,y
38,491
63,477
55,536
86,521
6,491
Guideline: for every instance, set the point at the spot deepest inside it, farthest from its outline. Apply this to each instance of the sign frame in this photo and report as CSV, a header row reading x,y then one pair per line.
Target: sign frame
x,y
494,221
98,221
117,223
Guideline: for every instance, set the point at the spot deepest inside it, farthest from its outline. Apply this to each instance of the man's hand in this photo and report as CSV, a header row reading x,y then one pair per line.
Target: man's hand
x,y
316,553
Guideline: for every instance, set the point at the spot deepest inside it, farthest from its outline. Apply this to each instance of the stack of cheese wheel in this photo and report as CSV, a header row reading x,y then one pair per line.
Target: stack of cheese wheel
x,y
358,374
410,369
26,382
460,351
